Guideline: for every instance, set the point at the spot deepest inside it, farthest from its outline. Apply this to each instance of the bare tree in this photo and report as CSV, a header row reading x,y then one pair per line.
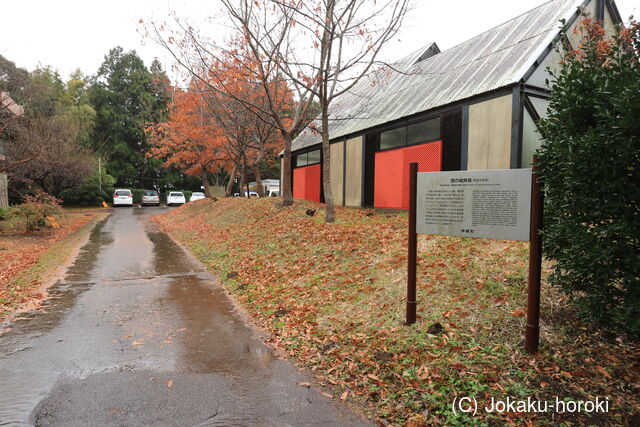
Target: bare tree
x,y
264,40
348,36
46,153
314,48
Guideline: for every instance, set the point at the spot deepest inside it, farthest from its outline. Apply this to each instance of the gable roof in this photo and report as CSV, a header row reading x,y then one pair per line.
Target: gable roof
x,y
10,105
497,58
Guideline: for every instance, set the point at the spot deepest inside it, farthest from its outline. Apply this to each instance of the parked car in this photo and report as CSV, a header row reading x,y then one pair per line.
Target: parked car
x,y
196,196
176,198
273,193
122,197
150,197
252,194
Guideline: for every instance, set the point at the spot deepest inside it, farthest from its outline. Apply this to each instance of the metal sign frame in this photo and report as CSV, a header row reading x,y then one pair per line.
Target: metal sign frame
x,y
532,332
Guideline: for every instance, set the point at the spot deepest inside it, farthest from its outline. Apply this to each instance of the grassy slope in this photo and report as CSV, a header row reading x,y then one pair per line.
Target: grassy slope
x,y
333,297
33,262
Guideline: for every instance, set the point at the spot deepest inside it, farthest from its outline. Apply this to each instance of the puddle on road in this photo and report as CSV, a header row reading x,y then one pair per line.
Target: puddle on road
x,y
168,257
213,357
22,385
62,295
214,339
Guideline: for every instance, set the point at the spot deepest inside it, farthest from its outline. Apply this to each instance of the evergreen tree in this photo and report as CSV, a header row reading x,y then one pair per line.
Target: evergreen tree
x,y
127,97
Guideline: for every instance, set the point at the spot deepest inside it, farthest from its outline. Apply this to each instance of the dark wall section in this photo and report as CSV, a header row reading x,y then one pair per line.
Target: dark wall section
x,y
452,140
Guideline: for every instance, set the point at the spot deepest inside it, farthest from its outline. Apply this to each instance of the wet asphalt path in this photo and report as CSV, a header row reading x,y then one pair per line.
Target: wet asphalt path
x,y
139,334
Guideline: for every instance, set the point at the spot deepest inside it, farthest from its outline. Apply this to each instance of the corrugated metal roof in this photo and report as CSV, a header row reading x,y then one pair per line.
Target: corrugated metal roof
x,y
10,105
496,58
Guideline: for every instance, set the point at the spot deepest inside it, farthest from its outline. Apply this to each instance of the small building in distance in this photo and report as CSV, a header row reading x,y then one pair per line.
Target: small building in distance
x,y
268,185
9,109
471,107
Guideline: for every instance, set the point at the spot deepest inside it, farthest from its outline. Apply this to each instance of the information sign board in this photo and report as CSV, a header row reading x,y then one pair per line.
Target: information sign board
x,y
489,203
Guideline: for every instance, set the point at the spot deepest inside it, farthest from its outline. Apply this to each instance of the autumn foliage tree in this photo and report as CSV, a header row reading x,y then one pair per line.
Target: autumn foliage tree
x,y
228,90
189,140
261,38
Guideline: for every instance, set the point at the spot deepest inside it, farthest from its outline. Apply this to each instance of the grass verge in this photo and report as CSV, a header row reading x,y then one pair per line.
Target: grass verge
x,y
332,296
30,260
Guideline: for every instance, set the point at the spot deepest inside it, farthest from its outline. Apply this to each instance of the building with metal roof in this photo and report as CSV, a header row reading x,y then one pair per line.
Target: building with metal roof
x,y
470,107
8,108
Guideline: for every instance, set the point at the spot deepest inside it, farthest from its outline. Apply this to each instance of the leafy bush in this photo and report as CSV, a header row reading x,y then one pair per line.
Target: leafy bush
x,y
36,208
4,214
90,193
590,166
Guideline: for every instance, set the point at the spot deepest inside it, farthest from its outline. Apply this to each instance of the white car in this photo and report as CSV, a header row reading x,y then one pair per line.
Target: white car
x,y
196,196
252,194
273,193
122,197
176,198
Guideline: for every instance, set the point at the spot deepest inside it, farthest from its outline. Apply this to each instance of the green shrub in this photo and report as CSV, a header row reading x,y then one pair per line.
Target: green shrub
x,y
4,214
90,194
590,164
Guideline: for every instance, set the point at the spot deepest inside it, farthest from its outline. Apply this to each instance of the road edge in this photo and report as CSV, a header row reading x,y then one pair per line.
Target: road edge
x,y
55,272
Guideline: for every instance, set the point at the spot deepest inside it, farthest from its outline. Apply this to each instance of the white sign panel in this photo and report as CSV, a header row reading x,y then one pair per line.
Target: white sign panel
x,y
489,203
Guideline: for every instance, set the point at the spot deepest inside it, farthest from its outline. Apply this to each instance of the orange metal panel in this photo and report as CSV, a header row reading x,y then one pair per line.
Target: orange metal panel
x,y
312,179
306,183
299,182
392,172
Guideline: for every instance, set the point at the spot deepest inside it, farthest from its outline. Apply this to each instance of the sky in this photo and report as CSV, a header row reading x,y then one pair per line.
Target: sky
x,y
71,34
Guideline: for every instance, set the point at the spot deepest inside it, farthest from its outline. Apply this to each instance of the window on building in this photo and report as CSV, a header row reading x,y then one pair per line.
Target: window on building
x,y
301,160
428,130
305,159
531,139
313,157
393,138
541,105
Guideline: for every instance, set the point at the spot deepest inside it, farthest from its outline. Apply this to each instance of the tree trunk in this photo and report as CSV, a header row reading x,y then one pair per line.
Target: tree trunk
x,y
243,177
330,210
245,174
256,172
285,185
204,176
229,189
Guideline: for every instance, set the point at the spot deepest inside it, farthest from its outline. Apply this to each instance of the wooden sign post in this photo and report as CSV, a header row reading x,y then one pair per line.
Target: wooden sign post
x,y
498,204
413,245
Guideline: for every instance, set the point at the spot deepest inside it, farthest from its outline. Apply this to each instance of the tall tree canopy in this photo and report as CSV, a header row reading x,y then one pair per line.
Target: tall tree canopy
x,y
48,146
127,96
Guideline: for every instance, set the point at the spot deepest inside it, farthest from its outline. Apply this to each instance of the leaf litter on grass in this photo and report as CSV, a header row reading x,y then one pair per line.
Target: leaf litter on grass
x,y
332,296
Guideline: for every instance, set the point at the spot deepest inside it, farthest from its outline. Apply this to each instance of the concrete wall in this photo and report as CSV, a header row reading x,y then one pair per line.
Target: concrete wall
x,y
337,172
353,172
489,145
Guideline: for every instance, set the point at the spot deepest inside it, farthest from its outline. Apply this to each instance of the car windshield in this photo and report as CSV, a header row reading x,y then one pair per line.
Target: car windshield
x,y
150,193
197,194
176,195
123,192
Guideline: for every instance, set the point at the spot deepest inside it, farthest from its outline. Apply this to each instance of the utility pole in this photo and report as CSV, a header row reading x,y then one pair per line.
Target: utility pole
x,y
100,172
